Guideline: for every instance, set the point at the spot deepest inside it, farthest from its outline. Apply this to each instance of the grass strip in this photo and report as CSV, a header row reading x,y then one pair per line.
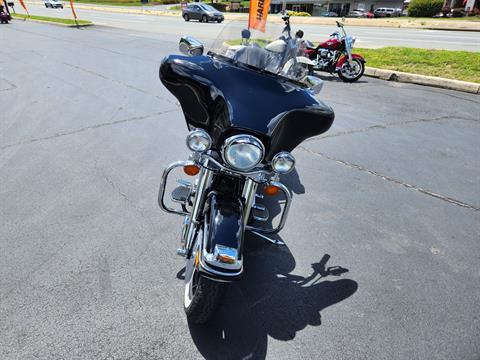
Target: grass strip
x,y
51,19
150,3
120,2
457,65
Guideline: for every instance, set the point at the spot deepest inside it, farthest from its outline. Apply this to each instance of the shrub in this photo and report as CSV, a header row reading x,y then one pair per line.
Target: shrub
x,y
166,2
424,8
298,13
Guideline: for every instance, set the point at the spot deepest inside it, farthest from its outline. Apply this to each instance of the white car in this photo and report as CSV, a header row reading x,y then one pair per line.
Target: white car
x,y
53,4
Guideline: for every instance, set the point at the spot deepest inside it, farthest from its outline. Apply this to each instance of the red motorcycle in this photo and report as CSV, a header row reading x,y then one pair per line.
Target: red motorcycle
x,y
335,56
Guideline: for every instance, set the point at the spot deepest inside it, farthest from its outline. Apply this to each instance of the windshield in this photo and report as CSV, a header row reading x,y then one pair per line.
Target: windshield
x,y
276,50
207,8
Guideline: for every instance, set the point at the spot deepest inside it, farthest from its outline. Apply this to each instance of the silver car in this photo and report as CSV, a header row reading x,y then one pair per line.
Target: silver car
x,y
201,12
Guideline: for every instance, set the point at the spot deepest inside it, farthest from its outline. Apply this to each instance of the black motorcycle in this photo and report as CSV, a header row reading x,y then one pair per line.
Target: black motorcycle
x,y
243,123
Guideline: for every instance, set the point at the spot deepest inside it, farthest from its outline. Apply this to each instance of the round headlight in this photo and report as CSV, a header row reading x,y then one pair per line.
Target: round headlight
x,y
199,140
283,162
243,152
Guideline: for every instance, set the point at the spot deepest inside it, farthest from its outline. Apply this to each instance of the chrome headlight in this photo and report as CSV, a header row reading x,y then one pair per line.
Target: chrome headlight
x,y
283,162
243,152
198,140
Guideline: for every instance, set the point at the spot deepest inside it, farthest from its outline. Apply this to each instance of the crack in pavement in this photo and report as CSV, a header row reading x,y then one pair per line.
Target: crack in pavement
x,y
66,133
386,126
91,72
393,180
10,85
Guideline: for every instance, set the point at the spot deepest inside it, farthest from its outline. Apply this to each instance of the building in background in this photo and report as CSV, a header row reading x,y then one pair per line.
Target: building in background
x,y
341,7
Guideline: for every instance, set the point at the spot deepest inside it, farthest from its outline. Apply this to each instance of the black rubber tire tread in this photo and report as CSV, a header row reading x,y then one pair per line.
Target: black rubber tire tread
x,y
355,78
206,300
186,17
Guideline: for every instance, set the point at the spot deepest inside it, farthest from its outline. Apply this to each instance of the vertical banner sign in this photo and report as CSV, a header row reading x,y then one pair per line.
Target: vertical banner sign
x,y
257,18
24,6
73,12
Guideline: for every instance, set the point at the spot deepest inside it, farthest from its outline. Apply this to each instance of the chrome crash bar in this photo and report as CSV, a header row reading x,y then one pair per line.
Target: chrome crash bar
x,y
253,178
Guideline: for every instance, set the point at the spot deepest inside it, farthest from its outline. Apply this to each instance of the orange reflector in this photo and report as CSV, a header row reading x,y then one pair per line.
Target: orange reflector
x,y
191,170
196,259
271,190
225,259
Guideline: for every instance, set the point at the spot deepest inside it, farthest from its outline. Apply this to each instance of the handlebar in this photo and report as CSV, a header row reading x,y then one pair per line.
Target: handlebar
x,y
339,24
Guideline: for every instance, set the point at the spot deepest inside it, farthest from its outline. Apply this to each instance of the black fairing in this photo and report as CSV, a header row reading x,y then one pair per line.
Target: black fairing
x,y
224,98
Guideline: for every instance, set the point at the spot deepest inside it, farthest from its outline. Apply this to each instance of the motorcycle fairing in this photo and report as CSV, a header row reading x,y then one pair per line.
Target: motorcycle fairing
x,y
225,98
344,58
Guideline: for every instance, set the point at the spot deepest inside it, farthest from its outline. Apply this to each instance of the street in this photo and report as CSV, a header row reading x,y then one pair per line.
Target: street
x,y
382,255
164,27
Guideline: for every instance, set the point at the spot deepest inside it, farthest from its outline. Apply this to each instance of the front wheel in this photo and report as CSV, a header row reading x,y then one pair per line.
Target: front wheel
x,y
353,72
204,18
186,17
202,296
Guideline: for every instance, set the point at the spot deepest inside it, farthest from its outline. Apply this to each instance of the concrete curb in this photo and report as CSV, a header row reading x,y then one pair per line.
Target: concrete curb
x,y
392,75
452,29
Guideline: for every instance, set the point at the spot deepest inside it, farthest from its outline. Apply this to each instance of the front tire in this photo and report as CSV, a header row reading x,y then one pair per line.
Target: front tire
x,y
352,73
202,296
186,17
204,18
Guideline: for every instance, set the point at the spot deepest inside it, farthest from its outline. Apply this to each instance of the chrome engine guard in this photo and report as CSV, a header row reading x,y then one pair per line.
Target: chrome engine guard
x,y
206,162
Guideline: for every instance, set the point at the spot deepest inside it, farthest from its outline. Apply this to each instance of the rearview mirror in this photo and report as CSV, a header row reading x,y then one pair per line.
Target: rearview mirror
x,y
190,46
314,84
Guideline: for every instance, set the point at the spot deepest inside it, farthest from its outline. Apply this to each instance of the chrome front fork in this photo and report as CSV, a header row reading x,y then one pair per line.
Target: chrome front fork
x,y
192,221
248,194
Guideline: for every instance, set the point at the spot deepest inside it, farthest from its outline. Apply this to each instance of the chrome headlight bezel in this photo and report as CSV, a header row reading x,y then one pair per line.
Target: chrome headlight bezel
x,y
242,140
198,134
280,158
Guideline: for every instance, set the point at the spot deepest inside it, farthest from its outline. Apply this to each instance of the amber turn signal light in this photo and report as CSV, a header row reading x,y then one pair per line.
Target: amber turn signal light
x,y
191,170
271,190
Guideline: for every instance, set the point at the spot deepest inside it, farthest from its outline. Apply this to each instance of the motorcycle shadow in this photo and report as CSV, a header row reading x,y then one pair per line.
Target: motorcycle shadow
x,y
269,301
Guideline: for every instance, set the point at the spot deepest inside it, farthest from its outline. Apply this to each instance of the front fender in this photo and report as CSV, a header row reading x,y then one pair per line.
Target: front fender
x,y
344,58
222,246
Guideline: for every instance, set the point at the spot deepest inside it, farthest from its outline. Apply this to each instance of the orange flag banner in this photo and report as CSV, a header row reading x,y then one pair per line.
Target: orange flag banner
x,y
24,6
258,14
73,10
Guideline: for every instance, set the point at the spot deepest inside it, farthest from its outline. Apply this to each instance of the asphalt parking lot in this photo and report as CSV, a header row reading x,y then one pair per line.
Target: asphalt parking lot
x,y
382,255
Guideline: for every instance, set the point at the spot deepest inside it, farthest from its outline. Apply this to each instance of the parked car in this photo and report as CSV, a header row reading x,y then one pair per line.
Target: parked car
x,y
328,14
53,4
201,12
385,12
358,13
